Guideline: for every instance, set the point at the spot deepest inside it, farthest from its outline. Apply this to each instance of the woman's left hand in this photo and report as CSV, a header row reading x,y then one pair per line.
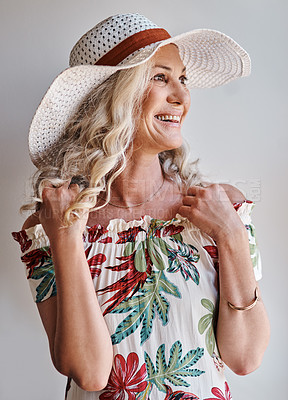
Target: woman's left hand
x,y
211,210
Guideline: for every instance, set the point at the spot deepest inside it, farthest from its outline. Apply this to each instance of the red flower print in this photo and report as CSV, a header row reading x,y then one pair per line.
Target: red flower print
x,y
219,394
129,235
238,205
125,379
22,238
106,240
169,230
36,257
95,232
217,362
179,395
128,284
98,259
213,252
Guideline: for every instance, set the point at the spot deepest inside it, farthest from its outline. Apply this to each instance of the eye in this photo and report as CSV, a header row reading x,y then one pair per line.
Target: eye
x,y
160,78
183,80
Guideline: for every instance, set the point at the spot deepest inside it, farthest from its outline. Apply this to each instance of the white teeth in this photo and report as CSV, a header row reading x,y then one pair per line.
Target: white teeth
x,y
172,118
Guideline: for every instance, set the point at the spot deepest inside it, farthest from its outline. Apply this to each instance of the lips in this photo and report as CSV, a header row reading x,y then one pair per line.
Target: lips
x,y
168,118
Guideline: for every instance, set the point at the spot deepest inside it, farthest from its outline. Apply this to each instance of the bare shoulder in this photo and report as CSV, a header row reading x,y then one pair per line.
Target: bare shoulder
x,y
234,194
32,220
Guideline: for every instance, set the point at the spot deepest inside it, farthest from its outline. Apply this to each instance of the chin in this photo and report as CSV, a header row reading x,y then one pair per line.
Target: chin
x,y
173,145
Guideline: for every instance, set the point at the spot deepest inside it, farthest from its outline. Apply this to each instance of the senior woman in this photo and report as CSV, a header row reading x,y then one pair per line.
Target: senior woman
x,y
144,276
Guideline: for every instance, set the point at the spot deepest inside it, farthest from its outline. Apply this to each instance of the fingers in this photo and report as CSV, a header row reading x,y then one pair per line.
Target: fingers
x,y
196,194
192,194
188,200
55,184
184,211
59,196
213,192
193,190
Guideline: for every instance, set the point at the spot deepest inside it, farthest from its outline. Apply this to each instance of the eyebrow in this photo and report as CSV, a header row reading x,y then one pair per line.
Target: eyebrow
x,y
167,68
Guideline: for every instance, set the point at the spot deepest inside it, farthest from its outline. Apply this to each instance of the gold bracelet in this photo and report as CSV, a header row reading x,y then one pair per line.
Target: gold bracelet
x,y
253,304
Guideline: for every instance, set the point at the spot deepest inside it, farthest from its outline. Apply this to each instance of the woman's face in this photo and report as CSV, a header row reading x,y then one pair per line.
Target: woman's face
x,y
166,104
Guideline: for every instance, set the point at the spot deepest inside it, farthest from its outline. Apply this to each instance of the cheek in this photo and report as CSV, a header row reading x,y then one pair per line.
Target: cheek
x,y
152,99
188,101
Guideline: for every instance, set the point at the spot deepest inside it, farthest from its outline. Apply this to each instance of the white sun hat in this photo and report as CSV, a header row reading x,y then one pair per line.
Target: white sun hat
x,y
123,41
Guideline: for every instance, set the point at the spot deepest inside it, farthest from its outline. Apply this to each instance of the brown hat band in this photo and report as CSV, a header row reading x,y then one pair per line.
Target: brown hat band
x,y
132,44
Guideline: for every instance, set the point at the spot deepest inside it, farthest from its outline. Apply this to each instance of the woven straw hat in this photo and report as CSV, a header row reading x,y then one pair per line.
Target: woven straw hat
x,y
124,41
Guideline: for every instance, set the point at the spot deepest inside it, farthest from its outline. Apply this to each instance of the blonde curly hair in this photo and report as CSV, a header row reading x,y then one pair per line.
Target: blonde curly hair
x,y
94,147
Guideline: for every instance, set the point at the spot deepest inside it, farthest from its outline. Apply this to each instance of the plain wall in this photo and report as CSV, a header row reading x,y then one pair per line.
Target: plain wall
x,y
238,131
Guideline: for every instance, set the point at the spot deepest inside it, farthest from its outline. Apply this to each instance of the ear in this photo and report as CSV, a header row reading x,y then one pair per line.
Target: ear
x,y
234,194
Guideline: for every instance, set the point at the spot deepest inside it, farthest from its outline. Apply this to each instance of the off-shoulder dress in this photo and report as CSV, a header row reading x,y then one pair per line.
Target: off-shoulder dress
x,y
157,285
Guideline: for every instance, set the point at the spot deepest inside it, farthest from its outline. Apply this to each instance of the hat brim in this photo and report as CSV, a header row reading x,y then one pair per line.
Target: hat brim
x,y
211,59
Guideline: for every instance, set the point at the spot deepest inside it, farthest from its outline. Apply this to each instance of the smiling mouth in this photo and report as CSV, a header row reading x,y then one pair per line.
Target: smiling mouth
x,y
169,118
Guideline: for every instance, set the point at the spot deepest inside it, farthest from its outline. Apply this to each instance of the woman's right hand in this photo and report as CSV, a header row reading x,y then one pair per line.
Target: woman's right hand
x,y
80,342
56,200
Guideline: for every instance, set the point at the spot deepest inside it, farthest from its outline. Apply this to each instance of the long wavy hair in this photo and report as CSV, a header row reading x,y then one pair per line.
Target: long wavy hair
x,y
96,142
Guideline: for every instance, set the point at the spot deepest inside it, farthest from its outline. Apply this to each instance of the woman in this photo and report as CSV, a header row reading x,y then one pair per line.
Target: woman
x,y
164,301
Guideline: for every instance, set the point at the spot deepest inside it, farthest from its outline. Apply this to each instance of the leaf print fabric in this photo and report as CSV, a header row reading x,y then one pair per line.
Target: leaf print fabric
x,y
143,306
40,266
125,379
129,235
176,368
255,255
98,259
213,252
128,284
149,285
206,324
22,238
179,394
96,232
219,394
157,285
183,260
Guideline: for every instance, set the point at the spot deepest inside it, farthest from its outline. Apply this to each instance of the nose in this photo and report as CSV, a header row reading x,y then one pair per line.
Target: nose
x,y
179,95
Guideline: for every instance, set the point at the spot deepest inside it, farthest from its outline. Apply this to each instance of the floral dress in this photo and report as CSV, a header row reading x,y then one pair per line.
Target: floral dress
x,y
157,285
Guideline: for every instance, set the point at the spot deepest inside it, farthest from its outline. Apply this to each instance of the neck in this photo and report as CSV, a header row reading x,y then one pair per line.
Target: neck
x,y
140,180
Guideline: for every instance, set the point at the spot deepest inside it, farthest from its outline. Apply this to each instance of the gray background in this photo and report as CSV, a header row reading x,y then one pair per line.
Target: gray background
x,y
238,131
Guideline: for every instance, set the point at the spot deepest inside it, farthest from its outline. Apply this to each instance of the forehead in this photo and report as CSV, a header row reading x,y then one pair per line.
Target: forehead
x,y
168,56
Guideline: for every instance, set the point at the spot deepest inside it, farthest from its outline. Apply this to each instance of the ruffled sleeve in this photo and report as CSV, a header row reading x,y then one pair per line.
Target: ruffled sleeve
x,y
244,211
36,256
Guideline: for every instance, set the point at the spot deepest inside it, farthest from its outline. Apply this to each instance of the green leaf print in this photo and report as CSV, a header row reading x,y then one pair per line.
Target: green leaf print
x,y
254,252
178,237
210,340
208,305
143,306
130,247
146,393
206,324
175,369
154,243
40,266
140,259
162,245
155,256
48,281
183,260
149,366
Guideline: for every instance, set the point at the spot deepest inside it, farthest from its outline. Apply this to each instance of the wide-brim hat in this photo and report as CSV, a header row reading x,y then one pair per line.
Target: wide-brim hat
x,y
123,41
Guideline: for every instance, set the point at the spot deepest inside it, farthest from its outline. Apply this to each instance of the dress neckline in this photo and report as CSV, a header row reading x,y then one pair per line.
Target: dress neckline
x,y
120,223
145,220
